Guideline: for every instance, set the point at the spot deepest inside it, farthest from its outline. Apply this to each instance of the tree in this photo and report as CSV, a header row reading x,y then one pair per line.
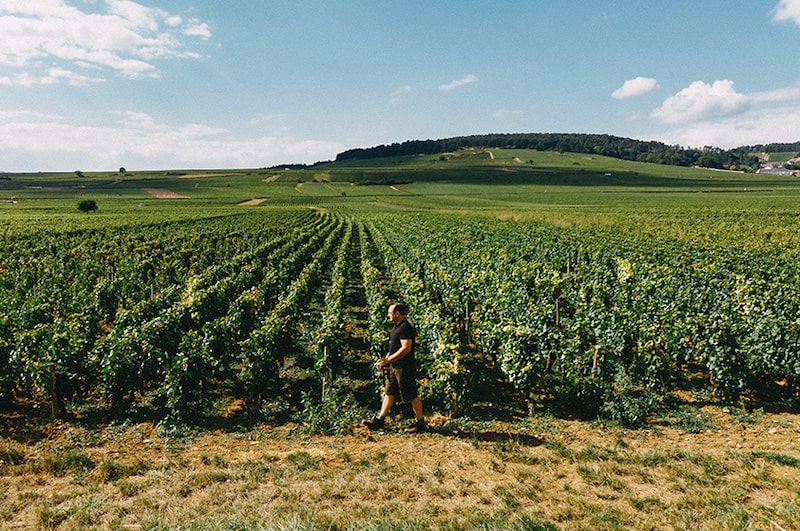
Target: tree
x,y
87,205
122,169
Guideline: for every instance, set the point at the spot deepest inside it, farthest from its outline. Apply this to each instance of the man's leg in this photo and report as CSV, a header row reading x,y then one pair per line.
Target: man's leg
x,y
419,424
416,405
386,405
410,390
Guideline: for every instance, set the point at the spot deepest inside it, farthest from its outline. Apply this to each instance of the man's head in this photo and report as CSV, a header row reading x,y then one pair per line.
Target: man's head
x,y
397,312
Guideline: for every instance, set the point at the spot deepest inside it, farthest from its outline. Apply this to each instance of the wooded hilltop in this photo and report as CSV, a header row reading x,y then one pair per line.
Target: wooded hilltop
x,y
743,158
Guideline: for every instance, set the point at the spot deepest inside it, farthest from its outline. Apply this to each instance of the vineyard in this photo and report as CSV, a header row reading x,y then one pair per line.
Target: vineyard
x,y
281,308
262,295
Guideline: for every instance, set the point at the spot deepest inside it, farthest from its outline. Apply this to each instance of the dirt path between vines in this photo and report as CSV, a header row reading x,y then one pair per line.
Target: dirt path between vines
x,y
253,202
163,193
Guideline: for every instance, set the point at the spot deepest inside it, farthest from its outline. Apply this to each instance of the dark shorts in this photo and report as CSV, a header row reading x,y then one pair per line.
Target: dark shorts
x,y
401,382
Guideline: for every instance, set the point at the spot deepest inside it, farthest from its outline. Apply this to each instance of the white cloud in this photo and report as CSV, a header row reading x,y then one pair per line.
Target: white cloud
x,y
137,140
123,37
195,28
136,120
700,101
777,95
57,75
635,87
752,127
173,21
266,118
51,77
136,15
505,113
788,11
399,92
764,117
466,80
11,117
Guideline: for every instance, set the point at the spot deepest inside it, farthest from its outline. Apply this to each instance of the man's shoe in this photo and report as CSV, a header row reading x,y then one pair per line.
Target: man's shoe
x,y
418,427
374,423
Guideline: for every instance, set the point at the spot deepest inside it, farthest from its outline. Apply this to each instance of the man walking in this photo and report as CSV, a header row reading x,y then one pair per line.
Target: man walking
x,y
400,370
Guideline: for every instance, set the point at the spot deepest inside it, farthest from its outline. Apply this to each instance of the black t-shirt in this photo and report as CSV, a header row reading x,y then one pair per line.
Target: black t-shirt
x,y
402,330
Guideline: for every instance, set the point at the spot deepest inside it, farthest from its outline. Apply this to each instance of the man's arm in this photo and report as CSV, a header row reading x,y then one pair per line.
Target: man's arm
x,y
405,348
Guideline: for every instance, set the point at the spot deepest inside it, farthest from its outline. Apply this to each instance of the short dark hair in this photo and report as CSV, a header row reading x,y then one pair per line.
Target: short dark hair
x,y
401,308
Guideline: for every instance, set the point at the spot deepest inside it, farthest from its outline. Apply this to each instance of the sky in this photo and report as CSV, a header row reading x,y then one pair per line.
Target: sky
x,y
95,85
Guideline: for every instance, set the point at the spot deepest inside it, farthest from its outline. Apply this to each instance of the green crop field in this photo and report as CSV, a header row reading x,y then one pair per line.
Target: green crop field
x,y
542,284
783,156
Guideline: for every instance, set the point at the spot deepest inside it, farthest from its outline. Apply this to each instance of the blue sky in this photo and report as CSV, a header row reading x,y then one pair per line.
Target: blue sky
x,y
156,84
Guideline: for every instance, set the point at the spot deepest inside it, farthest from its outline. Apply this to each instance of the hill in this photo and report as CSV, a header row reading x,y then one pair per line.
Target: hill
x,y
742,158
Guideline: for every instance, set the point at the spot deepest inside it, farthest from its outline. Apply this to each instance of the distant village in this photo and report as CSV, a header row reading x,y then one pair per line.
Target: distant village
x,y
788,167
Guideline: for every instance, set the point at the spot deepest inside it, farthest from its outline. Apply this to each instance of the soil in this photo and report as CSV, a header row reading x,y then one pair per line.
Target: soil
x,y
253,202
163,193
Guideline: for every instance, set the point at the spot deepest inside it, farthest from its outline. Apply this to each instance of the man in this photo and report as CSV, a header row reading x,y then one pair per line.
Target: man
x,y
399,368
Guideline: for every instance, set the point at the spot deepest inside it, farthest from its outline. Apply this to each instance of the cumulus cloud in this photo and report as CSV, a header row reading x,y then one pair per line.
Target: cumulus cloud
x,y
788,11
173,21
752,127
195,28
466,80
635,87
701,101
136,139
768,116
121,36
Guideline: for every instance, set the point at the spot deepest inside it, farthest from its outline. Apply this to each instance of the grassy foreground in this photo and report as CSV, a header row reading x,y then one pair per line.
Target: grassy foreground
x,y
699,468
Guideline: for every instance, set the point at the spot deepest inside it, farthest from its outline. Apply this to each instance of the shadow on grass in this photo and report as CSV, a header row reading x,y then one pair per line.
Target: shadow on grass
x,y
522,439
554,176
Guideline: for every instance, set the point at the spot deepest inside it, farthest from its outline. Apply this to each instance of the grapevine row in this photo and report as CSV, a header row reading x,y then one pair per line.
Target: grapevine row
x,y
443,353
93,339
330,336
612,321
171,346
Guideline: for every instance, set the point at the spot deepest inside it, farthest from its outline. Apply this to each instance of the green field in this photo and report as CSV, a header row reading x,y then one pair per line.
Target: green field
x,y
514,180
782,156
543,286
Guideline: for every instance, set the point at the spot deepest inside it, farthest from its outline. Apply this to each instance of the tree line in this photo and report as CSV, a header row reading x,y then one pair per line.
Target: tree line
x,y
741,158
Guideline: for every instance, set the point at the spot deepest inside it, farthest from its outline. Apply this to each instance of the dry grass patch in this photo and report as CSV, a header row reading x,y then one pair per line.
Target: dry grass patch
x,y
566,475
163,193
